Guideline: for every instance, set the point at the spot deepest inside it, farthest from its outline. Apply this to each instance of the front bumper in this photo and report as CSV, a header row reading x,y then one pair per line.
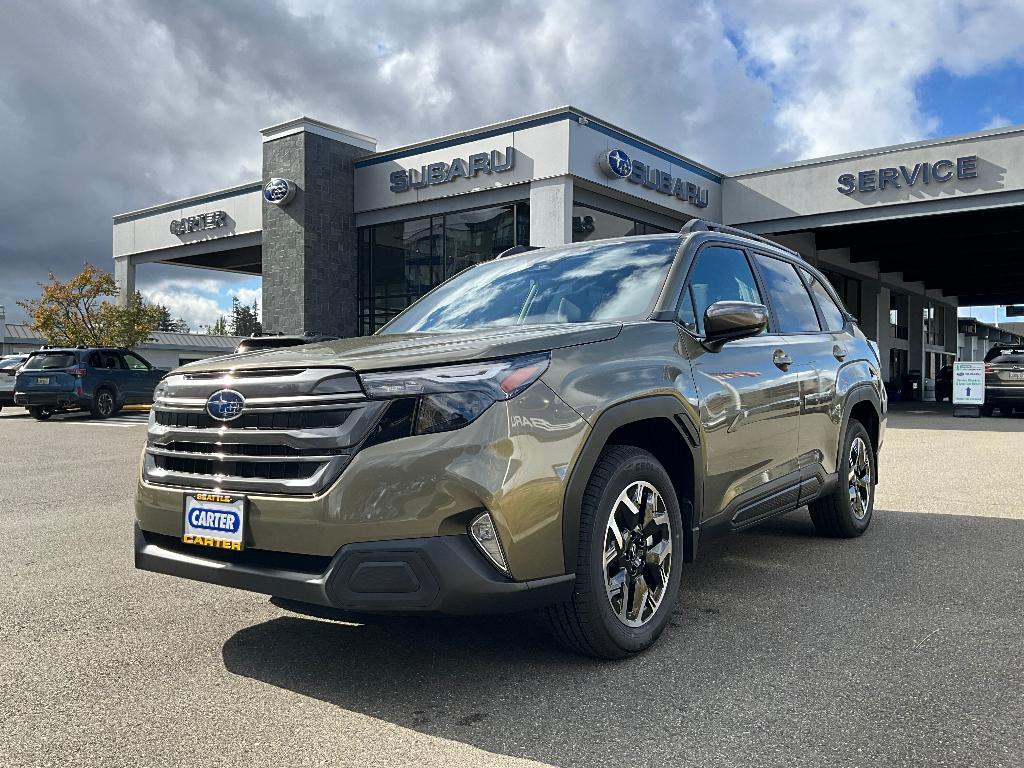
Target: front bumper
x,y
433,575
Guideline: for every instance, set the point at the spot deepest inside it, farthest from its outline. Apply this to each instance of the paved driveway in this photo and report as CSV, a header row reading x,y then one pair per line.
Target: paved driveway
x,y
903,647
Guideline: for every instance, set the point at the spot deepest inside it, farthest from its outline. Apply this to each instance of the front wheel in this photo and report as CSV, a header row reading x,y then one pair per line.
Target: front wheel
x,y
629,561
846,512
39,413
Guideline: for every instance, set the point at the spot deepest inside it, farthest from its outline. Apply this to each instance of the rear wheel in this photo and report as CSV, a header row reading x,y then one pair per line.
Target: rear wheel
x,y
39,413
103,404
987,410
629,560
846,512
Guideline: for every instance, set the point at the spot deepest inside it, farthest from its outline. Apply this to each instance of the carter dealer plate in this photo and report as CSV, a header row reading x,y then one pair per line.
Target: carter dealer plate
x,y
214,519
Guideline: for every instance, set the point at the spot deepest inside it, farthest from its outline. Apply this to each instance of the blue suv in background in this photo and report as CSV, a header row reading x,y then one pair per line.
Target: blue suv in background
x,y
100,380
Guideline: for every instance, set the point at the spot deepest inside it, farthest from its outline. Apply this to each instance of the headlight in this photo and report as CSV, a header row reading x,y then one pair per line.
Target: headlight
x,y
449,397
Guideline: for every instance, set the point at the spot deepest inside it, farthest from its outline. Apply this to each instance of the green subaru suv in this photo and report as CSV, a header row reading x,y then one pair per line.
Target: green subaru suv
x,y
557,428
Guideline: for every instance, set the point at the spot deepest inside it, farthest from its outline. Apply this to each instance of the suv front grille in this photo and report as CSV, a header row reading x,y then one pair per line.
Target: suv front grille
x,y
269,420
238,468
290,438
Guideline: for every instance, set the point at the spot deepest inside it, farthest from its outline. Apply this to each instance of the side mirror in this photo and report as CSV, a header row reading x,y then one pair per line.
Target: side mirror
x,y
730,320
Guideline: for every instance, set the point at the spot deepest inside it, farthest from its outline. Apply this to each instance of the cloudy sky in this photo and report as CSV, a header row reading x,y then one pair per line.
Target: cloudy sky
x,y
112,106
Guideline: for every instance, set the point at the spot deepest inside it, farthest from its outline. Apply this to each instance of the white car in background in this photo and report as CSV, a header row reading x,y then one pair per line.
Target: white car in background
x,y
9,366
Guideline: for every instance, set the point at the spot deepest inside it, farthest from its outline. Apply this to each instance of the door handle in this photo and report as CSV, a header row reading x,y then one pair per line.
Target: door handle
x,y
839,352
781,359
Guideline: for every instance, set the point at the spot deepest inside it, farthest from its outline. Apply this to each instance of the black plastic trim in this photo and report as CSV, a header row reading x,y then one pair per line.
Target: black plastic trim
x,y
655,406
432,575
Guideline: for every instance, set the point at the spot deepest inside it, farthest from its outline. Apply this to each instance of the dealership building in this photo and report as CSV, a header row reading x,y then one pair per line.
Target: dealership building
x,y
345,235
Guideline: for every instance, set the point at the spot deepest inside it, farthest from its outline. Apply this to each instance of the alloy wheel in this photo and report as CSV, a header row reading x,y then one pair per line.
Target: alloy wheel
x,y
859,479
105,403
637,553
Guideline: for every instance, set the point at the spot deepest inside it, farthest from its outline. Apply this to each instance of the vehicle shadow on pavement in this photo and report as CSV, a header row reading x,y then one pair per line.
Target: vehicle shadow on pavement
x,y
782,645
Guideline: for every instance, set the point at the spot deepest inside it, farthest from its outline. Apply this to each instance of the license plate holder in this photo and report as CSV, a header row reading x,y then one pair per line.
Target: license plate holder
x,y
214,519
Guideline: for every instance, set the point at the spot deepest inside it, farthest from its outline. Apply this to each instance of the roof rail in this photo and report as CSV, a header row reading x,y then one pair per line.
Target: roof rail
x,y
703,225
515,250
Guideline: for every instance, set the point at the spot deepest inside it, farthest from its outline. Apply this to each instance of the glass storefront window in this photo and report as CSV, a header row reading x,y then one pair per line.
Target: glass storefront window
x,y
899,308
593,224
400,261
471,237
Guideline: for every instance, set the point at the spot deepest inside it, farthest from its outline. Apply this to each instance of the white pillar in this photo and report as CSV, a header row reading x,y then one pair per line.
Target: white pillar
x,y
551,211
124,276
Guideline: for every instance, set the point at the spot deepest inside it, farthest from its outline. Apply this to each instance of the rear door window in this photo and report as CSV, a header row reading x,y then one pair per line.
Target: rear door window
x,y
720,274
49,361
834,317
794,310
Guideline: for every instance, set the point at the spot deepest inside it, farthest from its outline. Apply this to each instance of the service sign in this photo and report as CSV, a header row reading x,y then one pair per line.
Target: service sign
x,y
968,383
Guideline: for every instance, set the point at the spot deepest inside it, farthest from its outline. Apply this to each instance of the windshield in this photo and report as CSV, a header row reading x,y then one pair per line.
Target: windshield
x,y
50,360
1008,359
12,362
616,281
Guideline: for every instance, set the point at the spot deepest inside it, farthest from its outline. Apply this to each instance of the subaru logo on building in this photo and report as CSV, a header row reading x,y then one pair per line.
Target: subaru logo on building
x,y
616,163
225,405
279,191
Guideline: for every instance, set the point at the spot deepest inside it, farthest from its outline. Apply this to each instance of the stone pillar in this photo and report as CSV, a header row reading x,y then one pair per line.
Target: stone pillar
x,y
124,276
551,211
309,242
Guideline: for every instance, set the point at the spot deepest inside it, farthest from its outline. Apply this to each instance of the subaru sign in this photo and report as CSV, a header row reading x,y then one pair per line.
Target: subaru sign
x,y
616,164
225,405
279,191
444,173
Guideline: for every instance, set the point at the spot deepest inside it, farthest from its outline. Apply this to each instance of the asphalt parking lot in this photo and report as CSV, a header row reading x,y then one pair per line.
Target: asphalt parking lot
x,y
902,648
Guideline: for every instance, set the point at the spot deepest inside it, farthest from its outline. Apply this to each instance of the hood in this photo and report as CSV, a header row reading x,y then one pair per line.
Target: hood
x,y
415,350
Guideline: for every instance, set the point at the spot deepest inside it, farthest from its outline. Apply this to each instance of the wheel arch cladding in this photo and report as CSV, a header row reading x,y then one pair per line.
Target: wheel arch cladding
x,y
862,404
658,424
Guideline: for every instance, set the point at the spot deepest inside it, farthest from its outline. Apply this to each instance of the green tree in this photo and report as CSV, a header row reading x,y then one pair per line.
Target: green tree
x,y
80,312
219,328
245,319
170,324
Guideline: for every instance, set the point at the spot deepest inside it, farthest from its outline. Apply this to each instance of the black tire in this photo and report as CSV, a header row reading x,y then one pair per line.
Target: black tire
x,y
837,515
987,410
104,403
587,623
39,413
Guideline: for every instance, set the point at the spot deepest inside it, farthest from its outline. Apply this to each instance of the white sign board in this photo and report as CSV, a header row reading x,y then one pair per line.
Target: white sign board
x,y
968,383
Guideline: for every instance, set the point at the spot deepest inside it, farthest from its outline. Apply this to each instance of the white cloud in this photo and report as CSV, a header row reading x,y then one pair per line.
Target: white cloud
x,y
196,310
845,74
997,121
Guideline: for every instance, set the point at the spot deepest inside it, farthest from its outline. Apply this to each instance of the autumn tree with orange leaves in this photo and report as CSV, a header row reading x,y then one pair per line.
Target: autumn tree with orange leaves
x,y
82,312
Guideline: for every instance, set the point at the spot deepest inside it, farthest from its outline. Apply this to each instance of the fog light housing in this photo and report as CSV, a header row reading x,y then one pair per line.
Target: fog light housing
x,y
485,535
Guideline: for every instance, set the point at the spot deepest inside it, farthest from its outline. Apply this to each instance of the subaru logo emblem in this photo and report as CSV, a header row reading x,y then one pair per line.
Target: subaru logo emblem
x,y
225,405
279,191
616,163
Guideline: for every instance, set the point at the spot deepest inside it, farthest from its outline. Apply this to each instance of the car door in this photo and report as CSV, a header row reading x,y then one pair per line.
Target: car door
x,y
838,369
749,398
810,347
140,376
